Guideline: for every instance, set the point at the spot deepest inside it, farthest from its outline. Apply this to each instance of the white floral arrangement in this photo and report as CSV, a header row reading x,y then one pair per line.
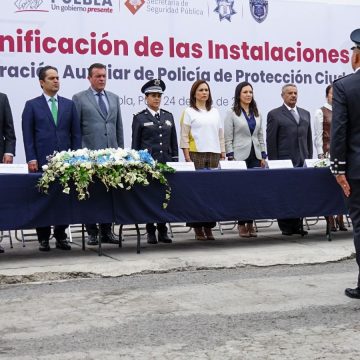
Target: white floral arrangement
x,y
325,162
116,168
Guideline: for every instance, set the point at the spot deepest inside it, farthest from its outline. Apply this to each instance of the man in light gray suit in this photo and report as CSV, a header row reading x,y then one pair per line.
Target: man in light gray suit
x,y
101,127
288,136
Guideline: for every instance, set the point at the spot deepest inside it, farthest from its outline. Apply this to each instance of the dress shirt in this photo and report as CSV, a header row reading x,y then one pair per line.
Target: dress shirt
x,y
104,98
294,108
153,113
318,128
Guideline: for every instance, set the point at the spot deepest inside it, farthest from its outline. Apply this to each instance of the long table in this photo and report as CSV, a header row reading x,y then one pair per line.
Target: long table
x,y
204,195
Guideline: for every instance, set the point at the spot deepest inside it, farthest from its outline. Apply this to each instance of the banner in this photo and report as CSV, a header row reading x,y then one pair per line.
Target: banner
x,y
268,43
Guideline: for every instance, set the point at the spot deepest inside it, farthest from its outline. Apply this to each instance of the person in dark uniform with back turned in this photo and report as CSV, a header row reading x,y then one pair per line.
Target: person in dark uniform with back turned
x,y
154,129
345,145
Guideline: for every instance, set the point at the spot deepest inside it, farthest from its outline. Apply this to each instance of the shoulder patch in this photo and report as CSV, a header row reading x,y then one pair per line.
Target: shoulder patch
x,y
165,111
140,112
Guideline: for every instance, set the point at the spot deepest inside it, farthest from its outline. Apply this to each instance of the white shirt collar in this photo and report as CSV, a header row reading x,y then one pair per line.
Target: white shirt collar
x,y
152,112
289,108
328,106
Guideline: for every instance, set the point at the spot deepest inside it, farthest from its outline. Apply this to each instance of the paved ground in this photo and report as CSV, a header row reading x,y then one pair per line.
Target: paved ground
x,y
281,312
271,297
22,264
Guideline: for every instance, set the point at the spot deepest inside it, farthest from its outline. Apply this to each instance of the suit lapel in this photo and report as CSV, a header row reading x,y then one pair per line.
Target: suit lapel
x,y
60,109
287,113
162,117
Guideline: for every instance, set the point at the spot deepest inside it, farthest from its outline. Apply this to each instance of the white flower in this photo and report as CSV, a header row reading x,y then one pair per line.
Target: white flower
x,y
114,167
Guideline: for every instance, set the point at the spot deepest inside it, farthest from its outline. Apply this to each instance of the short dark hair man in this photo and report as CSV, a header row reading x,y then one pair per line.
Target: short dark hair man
x,y
345,145
49,123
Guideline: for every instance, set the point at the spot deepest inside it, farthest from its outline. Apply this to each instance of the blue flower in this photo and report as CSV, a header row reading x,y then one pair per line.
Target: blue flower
x,y
146,157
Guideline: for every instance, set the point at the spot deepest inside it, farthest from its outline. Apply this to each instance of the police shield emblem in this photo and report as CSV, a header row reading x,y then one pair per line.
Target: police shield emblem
x,y
259,9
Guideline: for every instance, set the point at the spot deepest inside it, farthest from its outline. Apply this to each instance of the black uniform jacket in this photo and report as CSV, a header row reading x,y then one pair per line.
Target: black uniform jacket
x,y
158,136
345,126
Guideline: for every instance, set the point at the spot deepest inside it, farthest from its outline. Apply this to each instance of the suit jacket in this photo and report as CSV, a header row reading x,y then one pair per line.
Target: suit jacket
x,y
41,136
238,138
98,131
158,136
7,132
345,126
286,139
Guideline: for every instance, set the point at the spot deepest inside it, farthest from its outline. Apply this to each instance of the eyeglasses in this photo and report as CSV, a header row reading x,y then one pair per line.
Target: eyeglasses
x,y
355,47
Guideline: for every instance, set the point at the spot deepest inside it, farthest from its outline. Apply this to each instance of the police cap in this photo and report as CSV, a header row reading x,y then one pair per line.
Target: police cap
x,y
355,37
153,86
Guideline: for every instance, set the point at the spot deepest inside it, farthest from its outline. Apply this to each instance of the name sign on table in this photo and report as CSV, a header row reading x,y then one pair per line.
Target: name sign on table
x,y
309,163
233,165
13,169
182,165
280,164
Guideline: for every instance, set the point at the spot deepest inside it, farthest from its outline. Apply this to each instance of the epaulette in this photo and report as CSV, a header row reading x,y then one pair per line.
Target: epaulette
x,y
165,111
140,112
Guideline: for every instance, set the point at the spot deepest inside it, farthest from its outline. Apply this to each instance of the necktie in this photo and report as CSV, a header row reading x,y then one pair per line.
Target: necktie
x,y
102,104
295,115
157,116
54,109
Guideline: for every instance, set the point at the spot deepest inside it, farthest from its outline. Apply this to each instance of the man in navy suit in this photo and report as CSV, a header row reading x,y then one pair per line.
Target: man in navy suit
x,y
7,134
288,136
49,123
345,145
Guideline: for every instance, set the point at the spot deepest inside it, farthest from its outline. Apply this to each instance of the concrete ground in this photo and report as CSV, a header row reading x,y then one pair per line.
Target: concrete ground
x,y
24,264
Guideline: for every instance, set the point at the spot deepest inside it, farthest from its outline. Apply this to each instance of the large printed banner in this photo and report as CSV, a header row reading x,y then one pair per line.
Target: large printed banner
x,y
268,43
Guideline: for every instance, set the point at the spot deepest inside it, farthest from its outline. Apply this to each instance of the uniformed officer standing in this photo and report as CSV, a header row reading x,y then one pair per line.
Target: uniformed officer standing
x,y
154,129
345,144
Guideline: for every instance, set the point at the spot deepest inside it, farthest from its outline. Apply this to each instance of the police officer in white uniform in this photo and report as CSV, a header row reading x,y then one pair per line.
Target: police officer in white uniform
x,y
154,129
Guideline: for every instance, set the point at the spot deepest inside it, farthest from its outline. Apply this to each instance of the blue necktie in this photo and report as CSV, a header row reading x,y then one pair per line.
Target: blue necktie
x,y
102,104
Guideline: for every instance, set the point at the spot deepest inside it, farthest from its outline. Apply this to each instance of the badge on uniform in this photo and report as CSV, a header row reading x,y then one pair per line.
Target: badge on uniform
x,y
148,123
168,123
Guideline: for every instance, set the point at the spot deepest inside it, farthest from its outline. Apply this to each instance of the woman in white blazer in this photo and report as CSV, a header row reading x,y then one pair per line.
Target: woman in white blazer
x,y
244,138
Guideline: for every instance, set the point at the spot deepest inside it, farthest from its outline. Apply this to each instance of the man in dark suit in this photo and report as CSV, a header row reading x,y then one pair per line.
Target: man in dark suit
x,y
288,136
49,123
101,128
154,129
345,145
7,135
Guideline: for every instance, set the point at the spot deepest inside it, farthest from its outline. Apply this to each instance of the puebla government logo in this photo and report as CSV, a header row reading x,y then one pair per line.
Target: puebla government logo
x,y
225,9
259,9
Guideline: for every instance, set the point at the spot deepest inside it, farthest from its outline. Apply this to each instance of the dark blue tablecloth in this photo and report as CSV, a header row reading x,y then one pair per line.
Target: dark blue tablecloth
x,y
196,196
